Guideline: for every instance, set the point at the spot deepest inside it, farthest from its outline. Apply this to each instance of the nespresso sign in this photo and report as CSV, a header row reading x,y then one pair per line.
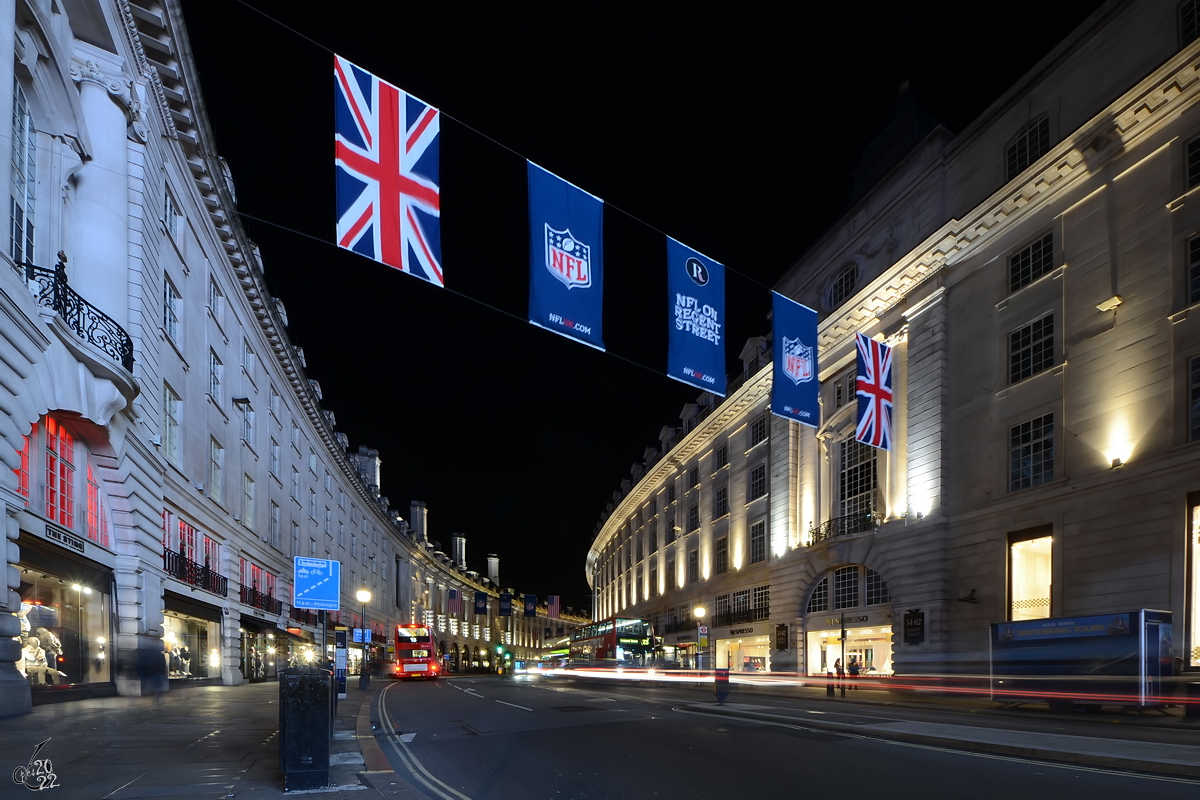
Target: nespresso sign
x,y
848,620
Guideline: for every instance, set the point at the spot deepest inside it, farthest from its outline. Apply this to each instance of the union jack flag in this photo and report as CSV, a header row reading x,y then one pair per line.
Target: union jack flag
x,y
388,202
454,606
874,393
552,607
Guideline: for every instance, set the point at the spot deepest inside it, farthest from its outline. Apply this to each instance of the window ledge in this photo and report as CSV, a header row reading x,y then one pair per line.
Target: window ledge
x,y
755,500
1057,369
1053,274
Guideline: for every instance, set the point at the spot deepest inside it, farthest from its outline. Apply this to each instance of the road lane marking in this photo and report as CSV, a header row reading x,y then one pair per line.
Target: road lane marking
x,y
514,705
399,746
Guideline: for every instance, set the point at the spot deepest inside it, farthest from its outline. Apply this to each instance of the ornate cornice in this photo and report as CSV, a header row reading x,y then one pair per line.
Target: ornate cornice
x,y
134,39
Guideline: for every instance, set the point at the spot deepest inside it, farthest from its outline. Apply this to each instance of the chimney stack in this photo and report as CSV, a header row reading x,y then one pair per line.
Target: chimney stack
x,y
419,520
459,550
494,568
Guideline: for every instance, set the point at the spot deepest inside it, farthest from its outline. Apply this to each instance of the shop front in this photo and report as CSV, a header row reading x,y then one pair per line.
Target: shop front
x,y
65,618
191,639
868,643
263,651
744,648
679,650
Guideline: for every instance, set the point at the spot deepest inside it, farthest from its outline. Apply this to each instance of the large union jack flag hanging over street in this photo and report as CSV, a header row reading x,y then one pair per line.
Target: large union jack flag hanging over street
x,y
388,203
874,393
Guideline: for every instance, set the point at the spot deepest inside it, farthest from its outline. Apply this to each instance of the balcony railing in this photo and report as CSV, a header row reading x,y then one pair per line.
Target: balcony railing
x,y
843,526
680,625
183,568
306,616
742,615
49,287
253,597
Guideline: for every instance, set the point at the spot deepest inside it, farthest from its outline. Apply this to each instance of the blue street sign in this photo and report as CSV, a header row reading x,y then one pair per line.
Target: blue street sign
x,y
318,584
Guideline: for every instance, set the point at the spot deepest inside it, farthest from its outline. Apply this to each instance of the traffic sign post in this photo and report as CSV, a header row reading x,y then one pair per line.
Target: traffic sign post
x,y
318,584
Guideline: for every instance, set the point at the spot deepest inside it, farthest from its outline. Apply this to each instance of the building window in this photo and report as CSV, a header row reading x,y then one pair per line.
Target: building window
x,y
1189,22
845,587
877,591
758,541
721,555
758,430
819,600
671,493
654,537
274,464
172,305
722,607
693,566
312,504
842,286
694,476
312,461
741,604
216,301
97,515
248,360
720,457
295,436
720,502
1031,453
295,484
1031,262
170,214
60,474
1027,147
761,602
275,402
653,506
856,490
171,414
274,523
640,553
672,576
22,202
758,483
248,424
1194,267
670,529
1194,398
844,388
216,462
248,502
23,471
694,517
1029,574
214,376
1031,349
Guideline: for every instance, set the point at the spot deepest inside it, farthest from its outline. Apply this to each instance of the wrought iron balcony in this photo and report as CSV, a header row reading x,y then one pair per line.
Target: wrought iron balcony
x,y
253,597
678,625
742,615
50,289
306,616
843,526
183,568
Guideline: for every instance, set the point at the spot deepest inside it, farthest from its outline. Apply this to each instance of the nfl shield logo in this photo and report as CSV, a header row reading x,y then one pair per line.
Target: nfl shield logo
x,y
797,361
567,259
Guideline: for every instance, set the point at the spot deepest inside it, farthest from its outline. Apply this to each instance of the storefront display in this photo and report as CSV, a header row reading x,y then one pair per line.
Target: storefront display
x,y
188,646
870,646
744,654
65,629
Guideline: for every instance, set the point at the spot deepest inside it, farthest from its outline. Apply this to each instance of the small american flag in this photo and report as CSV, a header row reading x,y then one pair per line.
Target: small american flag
x,y
553,607
455,604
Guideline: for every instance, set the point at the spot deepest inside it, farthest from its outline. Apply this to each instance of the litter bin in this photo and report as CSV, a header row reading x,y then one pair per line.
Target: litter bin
x,y
304,727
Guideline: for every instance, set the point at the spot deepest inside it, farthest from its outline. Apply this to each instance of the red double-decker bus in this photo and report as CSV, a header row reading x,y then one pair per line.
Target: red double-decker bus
x,y
416,652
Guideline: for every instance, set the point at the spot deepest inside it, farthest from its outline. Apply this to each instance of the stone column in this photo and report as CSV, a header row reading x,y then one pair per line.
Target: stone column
x,y
99,271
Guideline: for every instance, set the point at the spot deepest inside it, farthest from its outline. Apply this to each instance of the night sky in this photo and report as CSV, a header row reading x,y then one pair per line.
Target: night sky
x,y
736,134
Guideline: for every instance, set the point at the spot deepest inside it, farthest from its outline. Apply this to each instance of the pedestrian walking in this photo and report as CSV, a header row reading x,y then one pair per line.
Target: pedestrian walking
x,y
853,668
840,670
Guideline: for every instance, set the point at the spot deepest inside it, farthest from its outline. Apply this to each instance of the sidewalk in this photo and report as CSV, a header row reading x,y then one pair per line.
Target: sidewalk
x,y
195,742
867,714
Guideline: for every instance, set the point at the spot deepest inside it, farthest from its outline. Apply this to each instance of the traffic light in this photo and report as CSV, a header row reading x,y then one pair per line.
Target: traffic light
x,y
500,649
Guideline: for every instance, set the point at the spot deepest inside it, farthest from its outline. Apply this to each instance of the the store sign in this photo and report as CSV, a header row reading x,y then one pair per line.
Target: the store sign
x,y
741,631
914,626
60,536
678,638
845,620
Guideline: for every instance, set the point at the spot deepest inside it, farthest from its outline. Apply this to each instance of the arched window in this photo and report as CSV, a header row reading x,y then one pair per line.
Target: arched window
x,y
819,600
847,590
56,470
842,285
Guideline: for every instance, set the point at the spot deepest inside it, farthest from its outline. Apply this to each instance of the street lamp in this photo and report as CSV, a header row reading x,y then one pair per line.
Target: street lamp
x,y
700,611
364,679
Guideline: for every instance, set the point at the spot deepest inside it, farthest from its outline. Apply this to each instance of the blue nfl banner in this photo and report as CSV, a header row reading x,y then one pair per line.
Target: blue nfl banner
x,y
505,604
566,258
480,604
531,605
794,385
696,305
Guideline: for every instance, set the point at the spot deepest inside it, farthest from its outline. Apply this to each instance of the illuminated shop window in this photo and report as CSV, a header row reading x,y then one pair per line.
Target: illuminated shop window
x,y
1029,575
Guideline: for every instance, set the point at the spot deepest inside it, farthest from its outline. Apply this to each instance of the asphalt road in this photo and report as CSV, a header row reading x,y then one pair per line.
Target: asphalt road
x,y
490,738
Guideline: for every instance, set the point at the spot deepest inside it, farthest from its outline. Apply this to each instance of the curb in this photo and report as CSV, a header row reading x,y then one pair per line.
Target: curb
x,y
1083,759
373,758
